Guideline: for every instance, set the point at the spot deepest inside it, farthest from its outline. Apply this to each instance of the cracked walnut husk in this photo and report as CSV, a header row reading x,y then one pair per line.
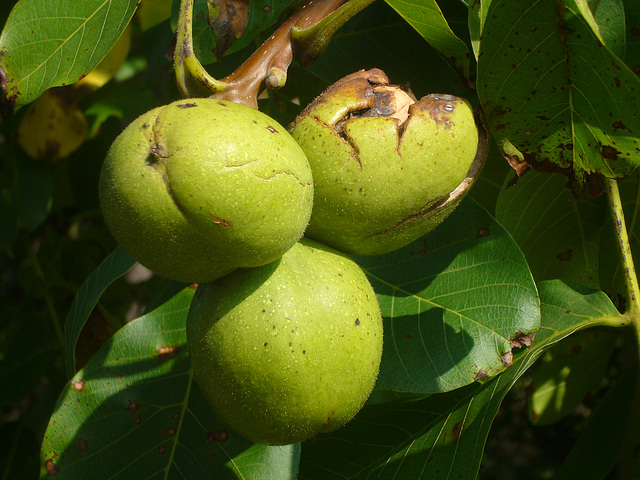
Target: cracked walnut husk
x,y
387,167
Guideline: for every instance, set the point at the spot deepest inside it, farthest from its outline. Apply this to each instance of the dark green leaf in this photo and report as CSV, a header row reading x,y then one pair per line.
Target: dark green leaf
x,y
113,267
23,361
18,452
553,94
454,303
558,234
34,191
609,16
597,450
443,435
134,411
428,20
632,20
568,373
489,184
46,43
378,37
9,221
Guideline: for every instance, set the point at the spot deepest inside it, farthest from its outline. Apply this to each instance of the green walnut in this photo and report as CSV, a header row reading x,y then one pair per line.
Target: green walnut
x,y
386,168
200,187
287,350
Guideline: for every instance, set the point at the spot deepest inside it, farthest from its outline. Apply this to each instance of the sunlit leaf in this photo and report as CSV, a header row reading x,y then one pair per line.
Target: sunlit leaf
x,y
443,435
134,411
477,15
454,304
428,20
113,267
553,94
46,43
559,234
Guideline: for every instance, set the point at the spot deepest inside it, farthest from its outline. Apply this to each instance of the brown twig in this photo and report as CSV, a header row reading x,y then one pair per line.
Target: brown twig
x,y
304,35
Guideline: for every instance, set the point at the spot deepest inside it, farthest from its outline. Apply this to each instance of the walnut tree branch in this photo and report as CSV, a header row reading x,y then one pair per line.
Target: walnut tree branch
x,y
304,35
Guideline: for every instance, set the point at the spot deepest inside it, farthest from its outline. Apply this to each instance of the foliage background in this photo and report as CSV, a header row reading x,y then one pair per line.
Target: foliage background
x,y
53,239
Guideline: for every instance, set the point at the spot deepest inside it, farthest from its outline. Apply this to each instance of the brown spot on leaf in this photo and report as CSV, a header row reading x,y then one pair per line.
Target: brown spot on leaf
x,y
565,256
271,129
520,339
520,166
82,445
176,416
51,468
619,125
609,152
219,436
165,353
133,406
137,420
507,358
186,105
456,431
483,232
78,386
481,374
172,431
229,23
357,322
424,249
616,80
162,449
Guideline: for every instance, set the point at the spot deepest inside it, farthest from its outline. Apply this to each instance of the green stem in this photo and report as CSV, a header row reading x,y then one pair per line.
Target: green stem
x,y
632,313
191,77
624,246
